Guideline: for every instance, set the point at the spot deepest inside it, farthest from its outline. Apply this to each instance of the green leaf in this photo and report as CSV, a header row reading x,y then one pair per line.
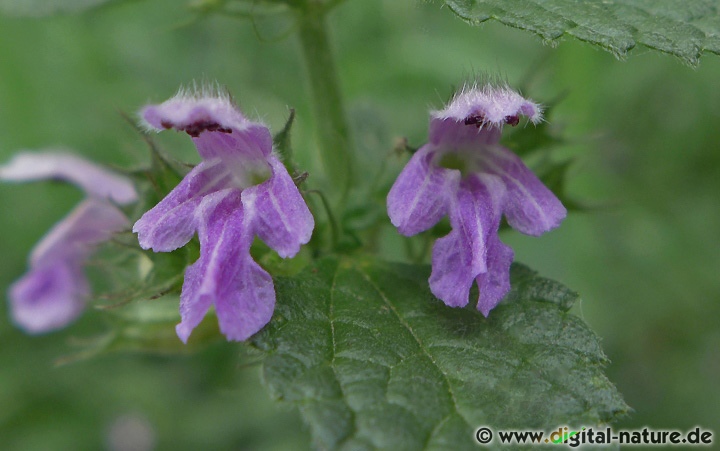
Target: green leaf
x,y
373,360
283,145
682,28
41,8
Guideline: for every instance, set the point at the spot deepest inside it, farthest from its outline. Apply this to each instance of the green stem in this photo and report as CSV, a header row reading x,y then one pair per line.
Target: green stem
x,y
331,123
334,229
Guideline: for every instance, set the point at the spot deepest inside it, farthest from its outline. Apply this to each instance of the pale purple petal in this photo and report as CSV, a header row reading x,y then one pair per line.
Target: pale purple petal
x,y
245,301
237,149
225,274
49,297
495,283
195,112
460,256
171,223
278,212
453,134
494,104
452,275
419,197
90,223
194,303
223,242
54,290
218,128
531,207
476,215
95,180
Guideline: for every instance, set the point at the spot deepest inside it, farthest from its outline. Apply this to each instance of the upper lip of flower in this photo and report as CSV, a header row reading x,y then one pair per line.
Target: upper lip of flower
x,y
488,104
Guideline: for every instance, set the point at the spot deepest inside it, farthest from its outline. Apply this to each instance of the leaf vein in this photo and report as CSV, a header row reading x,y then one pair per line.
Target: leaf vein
x,y
418,341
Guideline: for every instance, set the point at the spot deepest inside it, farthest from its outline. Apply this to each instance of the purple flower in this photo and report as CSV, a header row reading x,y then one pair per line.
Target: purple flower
x,y
239,190
465,173
54,291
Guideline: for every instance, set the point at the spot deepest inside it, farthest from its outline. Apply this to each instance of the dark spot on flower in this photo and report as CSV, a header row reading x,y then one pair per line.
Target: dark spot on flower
x,y
475,119
512,120
166,124
196,128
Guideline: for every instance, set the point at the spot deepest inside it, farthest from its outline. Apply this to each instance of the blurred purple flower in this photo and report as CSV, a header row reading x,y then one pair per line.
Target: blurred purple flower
x,y
239,190
54,290
465,173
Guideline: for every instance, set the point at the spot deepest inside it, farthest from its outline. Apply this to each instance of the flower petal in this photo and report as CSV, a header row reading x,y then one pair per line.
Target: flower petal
x,y
460,256
217,126
489,104
495,283
531,207
95,180
172,222
254,143
53,292
452,134
419,197
225,274
476,215
245,303
278,212
90,223
223,241
49,297
193,303
452,275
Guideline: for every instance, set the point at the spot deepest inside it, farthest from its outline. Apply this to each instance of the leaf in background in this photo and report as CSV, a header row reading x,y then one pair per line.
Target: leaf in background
x,y
373,360
682,28
42,8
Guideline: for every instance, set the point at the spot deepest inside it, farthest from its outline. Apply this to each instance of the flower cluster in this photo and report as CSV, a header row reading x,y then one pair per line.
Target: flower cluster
x,y
241,190
54,291
464,172
238,191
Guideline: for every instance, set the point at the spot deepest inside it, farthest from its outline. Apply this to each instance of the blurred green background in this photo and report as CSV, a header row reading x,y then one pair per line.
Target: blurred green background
x,y
644,132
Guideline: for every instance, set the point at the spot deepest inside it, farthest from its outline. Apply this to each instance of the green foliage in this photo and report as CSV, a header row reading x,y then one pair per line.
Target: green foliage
x,y
685,29
283,144
40,8
644,132
373,360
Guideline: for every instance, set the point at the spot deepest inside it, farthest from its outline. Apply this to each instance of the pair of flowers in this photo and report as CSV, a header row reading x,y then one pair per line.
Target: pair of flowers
x,y
241,190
